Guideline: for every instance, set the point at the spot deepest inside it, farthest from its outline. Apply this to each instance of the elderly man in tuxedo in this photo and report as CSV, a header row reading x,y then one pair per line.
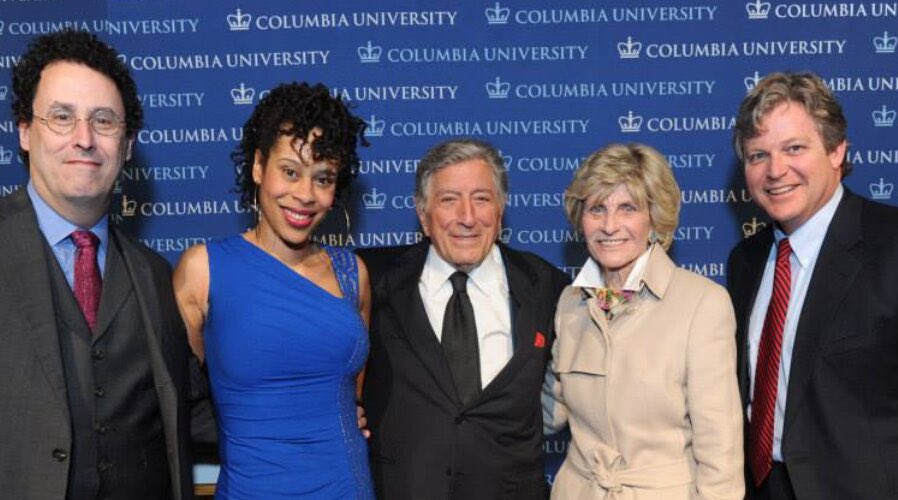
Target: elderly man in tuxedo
x,y
94,359
461,332
816,301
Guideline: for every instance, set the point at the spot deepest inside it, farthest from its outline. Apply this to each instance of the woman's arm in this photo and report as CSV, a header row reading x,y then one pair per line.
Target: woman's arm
x,y
364,292
715,409
365,311
191,283
555,412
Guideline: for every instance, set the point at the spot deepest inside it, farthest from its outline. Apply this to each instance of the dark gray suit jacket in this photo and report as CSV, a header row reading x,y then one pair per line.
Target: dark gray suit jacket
x,y
425,443
35,429
840,437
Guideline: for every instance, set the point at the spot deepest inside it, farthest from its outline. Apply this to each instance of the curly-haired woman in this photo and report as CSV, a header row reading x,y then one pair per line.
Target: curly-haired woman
x,y
279,319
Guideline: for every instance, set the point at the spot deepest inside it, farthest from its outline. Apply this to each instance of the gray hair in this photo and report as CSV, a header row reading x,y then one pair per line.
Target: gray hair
x,y
454,151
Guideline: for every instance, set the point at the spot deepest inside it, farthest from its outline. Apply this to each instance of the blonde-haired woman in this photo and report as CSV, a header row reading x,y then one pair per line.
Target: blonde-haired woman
x,y
643,369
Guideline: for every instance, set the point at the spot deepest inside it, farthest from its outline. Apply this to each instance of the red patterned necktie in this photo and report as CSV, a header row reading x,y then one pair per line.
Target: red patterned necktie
x,y
87,275
763,402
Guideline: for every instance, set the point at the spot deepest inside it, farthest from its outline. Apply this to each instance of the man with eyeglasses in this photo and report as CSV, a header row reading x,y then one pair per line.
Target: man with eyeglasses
x,y
94,362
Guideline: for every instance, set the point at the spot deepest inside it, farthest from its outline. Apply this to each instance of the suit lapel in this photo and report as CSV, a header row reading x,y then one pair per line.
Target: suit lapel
x,y
24,263
116,287
408,309
838,265
144,288
523,308
749,279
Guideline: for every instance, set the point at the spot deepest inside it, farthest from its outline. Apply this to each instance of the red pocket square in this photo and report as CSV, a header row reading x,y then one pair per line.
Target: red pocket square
x,y
540,340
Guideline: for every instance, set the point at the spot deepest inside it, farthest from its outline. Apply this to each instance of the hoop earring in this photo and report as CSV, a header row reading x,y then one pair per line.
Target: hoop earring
x,y
255,205
345,217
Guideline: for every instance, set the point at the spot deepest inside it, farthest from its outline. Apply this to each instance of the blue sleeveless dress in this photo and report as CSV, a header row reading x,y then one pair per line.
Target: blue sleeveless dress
x,y
283,355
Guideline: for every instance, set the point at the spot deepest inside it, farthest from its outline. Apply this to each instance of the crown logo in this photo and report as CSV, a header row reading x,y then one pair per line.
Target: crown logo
x,y
497,14
885,44
370,53
505,235
506,159
882,190
629,49
129,207
238,21
753,226
757,9
375,127
243,94
374,200
630,123
497,89
3,90
751,81
883,117
5,156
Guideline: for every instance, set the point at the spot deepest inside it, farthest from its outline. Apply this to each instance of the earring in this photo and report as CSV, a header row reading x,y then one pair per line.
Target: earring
x,y
345,216
653,237
255,205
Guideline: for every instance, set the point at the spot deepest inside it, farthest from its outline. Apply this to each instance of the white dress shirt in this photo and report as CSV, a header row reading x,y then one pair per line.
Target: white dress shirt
x,y
805,242
488,289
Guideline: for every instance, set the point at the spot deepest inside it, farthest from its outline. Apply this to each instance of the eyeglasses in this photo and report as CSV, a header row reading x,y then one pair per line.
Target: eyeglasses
x,y
63,122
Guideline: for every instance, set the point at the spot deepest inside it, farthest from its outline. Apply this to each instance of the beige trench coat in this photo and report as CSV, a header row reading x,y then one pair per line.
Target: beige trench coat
x,y
651,398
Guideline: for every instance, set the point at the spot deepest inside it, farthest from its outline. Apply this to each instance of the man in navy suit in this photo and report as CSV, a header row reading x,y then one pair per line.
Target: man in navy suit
x,y
450,418
816,300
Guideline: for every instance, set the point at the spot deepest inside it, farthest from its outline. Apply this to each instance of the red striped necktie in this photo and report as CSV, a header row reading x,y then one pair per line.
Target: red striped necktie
x,y
87,275
763,402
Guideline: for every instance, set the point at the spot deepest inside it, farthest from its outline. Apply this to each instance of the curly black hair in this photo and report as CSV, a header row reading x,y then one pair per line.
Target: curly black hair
x,y
78,47
295,109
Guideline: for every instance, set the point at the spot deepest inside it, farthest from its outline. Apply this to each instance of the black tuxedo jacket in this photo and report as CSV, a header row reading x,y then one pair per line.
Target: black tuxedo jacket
x,y
425,444
840,437
35,422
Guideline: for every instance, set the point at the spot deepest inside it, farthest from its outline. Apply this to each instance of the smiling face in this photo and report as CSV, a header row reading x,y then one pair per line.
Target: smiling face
x,y
295,193
462,213
788,171
75,172
617,233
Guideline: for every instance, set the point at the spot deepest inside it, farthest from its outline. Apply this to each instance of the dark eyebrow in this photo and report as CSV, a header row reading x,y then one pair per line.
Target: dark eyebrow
x,y
60,105
69,107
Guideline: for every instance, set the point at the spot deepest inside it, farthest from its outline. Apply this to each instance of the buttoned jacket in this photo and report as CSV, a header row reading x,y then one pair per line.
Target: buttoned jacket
x,y
35,421
840,431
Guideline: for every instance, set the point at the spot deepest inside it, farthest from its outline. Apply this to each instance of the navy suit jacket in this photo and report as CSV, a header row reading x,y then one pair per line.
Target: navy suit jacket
x,y
840,436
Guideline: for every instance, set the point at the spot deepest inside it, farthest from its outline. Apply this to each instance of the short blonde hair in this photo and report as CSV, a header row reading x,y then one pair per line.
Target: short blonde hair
x,y
645,173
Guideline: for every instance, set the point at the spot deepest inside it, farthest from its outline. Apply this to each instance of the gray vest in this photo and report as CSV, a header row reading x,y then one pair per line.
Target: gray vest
x,y
118,445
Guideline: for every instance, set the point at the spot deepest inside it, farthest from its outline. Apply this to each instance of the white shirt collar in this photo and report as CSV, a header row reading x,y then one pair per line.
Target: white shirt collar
x,y
437,271
591,274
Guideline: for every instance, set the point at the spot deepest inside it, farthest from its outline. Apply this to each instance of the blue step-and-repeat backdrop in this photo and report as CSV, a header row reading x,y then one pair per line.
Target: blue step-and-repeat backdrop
x,y
547,81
